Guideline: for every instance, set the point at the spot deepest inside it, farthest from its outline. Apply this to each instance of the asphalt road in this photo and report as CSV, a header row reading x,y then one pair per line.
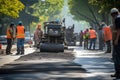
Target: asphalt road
x,y
43,66
77,64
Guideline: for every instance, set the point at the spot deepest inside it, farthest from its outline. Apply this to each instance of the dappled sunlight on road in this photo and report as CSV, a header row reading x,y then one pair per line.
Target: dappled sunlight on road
x,y
94,61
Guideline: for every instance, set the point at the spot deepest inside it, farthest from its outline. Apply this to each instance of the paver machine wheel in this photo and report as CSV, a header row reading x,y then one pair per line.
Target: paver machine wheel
x,y
49,47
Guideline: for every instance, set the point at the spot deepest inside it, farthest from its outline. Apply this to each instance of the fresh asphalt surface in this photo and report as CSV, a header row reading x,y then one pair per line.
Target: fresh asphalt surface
x,y
87,65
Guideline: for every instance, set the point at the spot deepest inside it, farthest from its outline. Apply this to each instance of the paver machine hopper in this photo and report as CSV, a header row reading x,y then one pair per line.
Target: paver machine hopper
x,y
53,40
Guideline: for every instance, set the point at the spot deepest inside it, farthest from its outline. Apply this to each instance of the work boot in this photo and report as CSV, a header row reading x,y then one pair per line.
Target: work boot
x,y
18,51
115,75
108,52
7,53
22,50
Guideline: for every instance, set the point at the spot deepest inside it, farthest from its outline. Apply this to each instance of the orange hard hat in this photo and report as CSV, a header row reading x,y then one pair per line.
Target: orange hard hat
x,y
39,26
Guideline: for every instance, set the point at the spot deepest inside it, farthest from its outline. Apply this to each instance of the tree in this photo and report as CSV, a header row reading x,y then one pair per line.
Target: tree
x,y
105,5
25,16
34,11
82,10
11,7
47,9
38,11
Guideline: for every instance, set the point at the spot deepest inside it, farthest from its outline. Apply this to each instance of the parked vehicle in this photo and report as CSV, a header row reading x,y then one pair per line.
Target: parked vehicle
x,y
3,39
27,37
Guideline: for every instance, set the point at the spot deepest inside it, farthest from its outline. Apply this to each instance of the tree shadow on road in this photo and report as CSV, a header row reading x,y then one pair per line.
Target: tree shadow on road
x,y
42,71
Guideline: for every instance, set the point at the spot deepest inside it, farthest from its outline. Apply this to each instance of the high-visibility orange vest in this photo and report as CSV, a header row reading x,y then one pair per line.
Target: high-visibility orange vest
x,y
8,33
20,32
92,34
107,33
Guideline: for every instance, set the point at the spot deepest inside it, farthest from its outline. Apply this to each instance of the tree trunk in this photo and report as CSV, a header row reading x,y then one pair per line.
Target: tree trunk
x,y
105,18
1,29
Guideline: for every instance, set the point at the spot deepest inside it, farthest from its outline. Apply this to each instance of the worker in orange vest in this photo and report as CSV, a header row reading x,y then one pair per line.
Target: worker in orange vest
x,y
107,36
20,35
10,37
92,37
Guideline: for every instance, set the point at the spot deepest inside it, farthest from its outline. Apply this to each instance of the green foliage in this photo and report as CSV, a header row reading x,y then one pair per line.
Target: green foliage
x,y
82,10
34,12
11,7
25,15
105,5
48,8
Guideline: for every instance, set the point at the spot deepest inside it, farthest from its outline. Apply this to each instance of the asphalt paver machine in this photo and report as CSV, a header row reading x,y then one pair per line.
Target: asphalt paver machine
x,y
70,36
53,38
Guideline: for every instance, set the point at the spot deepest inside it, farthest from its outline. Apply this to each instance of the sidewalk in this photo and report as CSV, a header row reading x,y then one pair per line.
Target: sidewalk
x,y
5,59
97,63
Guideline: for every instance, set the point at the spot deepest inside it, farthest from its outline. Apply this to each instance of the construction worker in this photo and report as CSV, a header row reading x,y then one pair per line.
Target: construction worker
x,y
86,38
101,38
64,35
10,37
92,37
20,34
116,41
38,35
107,36
81,37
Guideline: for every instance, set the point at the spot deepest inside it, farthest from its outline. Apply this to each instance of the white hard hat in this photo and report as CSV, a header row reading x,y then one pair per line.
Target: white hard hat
x,y
103,24
114,10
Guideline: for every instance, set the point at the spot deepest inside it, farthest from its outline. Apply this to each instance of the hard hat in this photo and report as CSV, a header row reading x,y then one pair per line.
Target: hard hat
x,y
39,26
20,22
114,10
11,24
57,20
103,24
